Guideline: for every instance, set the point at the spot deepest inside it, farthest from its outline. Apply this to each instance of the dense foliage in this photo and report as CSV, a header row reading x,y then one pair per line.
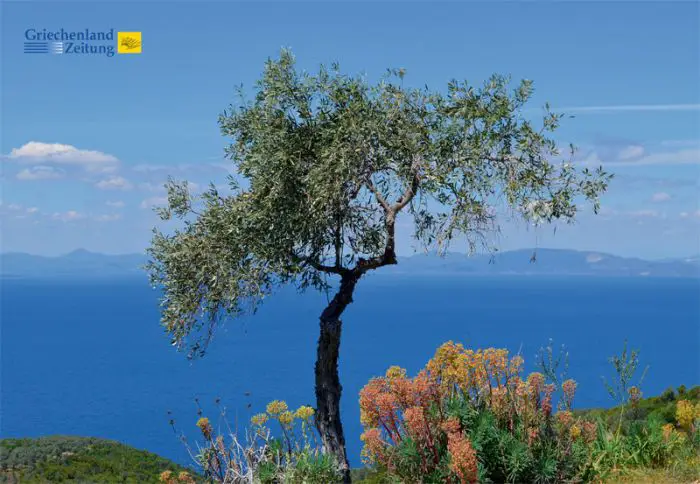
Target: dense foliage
x,y
79,459
323,166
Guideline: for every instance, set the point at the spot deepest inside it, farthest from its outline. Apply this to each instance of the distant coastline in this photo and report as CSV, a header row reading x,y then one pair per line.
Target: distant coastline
x,y
524,262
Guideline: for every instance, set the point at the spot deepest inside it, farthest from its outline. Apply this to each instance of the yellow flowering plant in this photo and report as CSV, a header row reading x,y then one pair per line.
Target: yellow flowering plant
x,y
291,453
687,415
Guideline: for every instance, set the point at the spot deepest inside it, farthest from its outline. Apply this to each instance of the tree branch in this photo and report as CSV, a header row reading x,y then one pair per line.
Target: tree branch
x,y
389,255
411,189
318,266
378,195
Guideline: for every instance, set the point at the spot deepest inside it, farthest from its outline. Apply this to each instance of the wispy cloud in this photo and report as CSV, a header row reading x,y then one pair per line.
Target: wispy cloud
x,y
645,213
115,204
631,152
108,217
639,155
154,201
114,183
680,143
625,108
16,210
209,165
680,157
41,172
69,216
629,181
660,197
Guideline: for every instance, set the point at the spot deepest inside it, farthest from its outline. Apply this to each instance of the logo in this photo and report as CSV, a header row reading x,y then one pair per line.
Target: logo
x,y
81,42
36,47
129,42
43,47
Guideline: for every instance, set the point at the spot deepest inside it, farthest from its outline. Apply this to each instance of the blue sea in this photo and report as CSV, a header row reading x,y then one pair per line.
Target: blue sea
x,y
89,357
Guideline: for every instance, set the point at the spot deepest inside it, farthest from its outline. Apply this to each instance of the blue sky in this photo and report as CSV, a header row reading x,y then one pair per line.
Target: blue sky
x,y
88,140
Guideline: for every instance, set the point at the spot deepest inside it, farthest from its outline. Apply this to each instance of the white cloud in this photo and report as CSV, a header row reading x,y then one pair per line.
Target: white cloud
x,y
114,183
32,210
630,152
36,151
14,207
660,197
40,172
154,201
115,204
69,216
108,217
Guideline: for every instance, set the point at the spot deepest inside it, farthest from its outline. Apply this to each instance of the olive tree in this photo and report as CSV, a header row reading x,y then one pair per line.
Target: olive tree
x,y
324,164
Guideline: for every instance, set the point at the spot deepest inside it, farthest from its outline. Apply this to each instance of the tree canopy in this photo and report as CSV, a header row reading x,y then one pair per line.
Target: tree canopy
x,y
325,162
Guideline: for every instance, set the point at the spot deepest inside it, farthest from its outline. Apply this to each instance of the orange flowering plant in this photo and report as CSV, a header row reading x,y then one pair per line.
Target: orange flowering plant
x,y
471,416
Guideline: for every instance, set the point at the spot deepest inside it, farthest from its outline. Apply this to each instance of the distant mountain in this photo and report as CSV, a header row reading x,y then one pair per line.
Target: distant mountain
x,y
82,263
547,262
77,263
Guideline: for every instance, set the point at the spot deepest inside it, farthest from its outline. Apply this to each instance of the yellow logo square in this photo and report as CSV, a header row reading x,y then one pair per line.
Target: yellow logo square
x,y
129,42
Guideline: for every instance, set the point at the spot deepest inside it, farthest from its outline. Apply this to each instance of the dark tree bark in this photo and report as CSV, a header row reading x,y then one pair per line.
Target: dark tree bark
x,y
328,387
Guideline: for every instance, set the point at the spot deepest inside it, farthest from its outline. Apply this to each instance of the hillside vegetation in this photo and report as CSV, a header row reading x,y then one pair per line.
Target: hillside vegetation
x,y
661,408
78,459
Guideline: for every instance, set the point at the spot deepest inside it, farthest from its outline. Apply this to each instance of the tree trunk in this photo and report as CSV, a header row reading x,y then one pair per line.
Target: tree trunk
x,y
328,388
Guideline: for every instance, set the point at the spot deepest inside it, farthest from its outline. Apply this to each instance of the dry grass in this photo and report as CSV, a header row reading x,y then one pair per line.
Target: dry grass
x,y
652,476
